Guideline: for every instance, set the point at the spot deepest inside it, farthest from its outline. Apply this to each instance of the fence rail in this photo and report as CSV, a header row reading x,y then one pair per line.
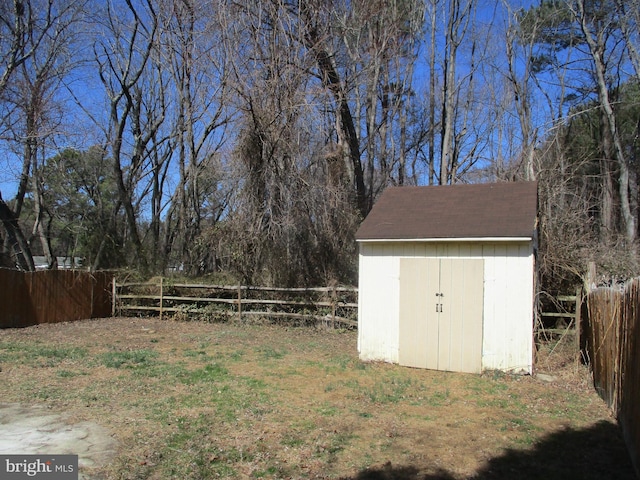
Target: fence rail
x,y
566,314
566,317
335,305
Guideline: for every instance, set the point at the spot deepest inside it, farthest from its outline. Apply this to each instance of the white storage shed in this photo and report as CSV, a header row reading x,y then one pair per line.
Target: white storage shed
x,y
446,277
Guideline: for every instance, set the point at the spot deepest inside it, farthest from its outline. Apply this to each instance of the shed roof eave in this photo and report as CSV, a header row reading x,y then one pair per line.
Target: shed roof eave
x,y
448,240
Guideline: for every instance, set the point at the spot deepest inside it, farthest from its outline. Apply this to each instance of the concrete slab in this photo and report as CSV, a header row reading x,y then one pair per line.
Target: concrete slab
x,y
36,430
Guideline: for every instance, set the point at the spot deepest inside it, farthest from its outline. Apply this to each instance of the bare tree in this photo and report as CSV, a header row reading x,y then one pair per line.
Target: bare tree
x,y
34,111
193,53
382,40
315,25
15,238
268,79
295,202
123,59
520,83
628,16
458,120
580,43
458,19
595,26
23,26
432,98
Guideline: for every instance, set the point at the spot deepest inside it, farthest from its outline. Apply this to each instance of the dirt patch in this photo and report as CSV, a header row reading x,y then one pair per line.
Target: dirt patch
x,y
202,400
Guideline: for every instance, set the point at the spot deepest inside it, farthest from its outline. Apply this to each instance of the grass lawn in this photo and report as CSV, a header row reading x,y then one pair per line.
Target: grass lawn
x,y
197,400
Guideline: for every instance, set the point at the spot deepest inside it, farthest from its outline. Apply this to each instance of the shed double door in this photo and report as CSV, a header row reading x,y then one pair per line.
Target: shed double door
x,y
441,305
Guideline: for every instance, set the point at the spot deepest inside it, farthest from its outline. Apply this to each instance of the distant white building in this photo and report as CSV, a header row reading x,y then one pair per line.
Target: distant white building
x,y
64,263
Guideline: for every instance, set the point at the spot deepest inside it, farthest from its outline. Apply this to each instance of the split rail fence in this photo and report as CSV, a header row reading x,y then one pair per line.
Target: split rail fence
x,y
560,315
612,335
566,309
331,305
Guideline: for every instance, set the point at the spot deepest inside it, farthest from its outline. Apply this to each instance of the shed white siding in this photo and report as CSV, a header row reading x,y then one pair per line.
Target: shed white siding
x,y
508,298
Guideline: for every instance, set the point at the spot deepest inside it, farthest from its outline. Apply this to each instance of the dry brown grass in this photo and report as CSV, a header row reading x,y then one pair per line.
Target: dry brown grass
x,y
201,400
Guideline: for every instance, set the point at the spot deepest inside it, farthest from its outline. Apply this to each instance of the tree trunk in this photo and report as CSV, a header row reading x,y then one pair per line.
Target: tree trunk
x,y
596,49
520,88
432,96
19,244
347,134
607,195
346,125
446,136
458,18
125,195
38,226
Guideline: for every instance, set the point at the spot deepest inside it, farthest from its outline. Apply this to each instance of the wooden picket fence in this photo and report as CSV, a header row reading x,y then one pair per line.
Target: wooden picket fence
x,y
612,334
333,305
51,296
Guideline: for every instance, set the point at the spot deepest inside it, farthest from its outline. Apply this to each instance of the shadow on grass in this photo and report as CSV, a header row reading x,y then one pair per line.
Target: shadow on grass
x,y
595,453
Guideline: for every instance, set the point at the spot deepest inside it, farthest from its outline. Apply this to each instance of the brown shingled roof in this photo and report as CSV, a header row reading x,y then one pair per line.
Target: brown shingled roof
x,y
489,210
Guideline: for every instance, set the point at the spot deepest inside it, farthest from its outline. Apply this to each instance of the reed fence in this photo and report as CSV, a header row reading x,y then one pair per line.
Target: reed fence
x,y
52,296
334,305
612,334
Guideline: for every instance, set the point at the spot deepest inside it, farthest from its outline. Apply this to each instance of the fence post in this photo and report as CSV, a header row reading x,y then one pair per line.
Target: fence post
x,y
161,291
333,306
578,320
113,296
591,277
239,302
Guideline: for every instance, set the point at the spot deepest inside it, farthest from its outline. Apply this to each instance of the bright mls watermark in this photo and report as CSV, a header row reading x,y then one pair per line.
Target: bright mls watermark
x,y
49,467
